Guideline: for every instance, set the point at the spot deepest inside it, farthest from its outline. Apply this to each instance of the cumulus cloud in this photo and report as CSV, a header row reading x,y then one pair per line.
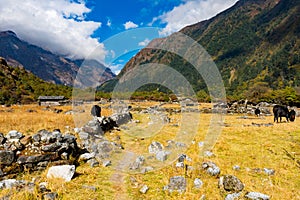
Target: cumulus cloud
x,y
129,25
144,43
191,12
56,25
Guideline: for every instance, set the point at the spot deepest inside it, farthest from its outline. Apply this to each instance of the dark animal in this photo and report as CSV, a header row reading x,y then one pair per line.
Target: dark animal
x,y
96,111
280,111
292,115
257,112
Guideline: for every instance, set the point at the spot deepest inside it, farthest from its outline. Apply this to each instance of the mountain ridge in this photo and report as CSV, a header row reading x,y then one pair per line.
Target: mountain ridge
x,y
43,63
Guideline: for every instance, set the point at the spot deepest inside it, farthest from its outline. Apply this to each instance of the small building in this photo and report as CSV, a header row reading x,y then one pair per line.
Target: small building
x,y
52,100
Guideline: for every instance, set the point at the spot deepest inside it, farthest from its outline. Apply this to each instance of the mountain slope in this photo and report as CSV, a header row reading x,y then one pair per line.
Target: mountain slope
x,y
20,86
255,45
46,65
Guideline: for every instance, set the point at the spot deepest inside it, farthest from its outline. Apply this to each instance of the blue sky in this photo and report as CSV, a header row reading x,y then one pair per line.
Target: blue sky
x,y
109,31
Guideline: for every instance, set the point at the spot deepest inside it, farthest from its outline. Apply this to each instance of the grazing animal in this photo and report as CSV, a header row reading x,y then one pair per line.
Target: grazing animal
x,y
96,111
257,112
280,111
292,115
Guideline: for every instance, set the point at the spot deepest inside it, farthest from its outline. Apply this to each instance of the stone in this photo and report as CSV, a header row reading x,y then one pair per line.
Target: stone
x,y
139,161
162,155
144,189
93,188
179,165
233,196
83,135
231,183
183,157
50,196
106,163
236,167
11,183
211,168
269,171
35,158
209,154
65,172
51,147
86,156
256,196
43,187
14,135
6,157
155,147
93,162
121,118
177,183
198,183
146,169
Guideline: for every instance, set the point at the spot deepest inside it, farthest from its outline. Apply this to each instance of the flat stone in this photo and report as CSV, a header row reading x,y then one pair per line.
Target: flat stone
x,y
86,156
65,172
35,158
257,196
233,196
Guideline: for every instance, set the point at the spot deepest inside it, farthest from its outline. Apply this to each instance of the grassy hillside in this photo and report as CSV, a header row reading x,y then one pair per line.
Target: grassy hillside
x,y
255,45
20,86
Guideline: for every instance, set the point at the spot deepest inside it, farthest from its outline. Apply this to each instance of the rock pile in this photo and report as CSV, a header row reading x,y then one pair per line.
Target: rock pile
x,y
19,152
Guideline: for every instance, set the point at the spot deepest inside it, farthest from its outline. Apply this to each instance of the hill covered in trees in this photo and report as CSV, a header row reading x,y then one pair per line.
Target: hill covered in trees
x,y
20,86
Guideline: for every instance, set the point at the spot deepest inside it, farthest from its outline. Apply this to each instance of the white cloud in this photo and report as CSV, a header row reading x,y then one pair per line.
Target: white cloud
x,y
129,25
116,68
108,23
192,11
56,25
144,43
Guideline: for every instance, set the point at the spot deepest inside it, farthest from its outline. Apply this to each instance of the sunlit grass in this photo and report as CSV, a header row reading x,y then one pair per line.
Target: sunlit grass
x,y
240,144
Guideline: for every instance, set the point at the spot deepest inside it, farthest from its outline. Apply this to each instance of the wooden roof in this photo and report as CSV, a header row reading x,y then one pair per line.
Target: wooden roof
x,y
51,98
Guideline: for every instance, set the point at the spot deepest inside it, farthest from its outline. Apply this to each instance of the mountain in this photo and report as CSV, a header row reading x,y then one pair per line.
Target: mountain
x,y
44,64
255,45
18,85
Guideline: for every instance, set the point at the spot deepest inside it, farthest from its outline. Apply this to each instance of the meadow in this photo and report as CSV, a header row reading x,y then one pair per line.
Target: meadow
x,y
241,143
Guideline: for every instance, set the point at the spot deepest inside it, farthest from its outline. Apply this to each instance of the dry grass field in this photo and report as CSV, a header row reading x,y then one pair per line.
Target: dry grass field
x,y
240,143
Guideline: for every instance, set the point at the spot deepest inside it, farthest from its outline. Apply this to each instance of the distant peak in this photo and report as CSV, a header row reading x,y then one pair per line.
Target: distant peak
x,y
7,33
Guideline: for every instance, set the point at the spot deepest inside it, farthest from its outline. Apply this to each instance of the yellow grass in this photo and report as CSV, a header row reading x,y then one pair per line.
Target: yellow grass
x,y
239,144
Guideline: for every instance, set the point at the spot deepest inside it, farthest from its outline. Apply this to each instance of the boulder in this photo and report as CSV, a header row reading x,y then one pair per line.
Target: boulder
x,y
64,172
231,183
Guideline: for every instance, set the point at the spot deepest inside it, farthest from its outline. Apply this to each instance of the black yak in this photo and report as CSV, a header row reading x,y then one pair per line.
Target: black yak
x,y
283,111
